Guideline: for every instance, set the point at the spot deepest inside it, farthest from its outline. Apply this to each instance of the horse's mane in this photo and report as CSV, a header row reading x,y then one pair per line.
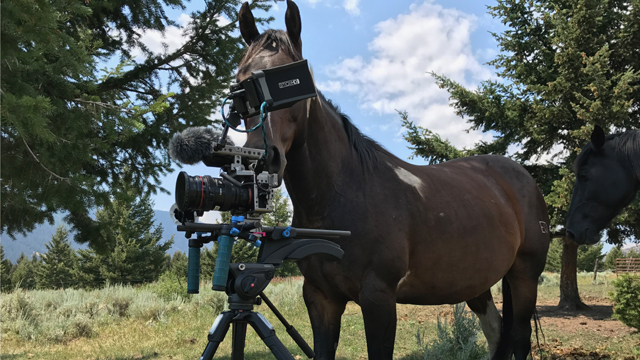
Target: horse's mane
x,y
626,144
368,150
266,38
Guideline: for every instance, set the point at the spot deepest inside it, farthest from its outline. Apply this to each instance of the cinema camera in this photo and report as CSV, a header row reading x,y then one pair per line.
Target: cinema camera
x,y
247,192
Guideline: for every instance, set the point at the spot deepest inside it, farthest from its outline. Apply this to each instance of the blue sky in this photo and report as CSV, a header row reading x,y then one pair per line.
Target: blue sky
x,y
373,57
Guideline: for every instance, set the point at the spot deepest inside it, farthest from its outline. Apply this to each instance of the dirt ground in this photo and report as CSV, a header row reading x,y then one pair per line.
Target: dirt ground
x,y
595,325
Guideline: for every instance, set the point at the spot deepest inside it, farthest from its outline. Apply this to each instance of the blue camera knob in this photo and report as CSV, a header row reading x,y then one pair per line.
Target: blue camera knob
x,y
237,219
234,232
287,232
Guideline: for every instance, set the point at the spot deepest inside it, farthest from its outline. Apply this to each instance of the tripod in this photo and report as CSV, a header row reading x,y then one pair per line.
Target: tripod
x,y
244,282
241,313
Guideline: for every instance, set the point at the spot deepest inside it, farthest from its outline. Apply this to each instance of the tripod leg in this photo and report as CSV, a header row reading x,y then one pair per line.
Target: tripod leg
x,y
216,334
268,335
239,333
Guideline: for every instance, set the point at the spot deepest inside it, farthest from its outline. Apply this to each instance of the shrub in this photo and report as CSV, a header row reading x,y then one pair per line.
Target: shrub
x,y
169,287
549,279
626,298
457,341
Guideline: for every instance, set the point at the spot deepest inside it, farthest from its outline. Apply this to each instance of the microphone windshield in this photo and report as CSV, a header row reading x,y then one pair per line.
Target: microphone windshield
x,y
193,144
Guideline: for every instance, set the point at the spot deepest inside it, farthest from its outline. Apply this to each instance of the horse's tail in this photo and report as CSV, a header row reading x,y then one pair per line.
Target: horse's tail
x,y
538,325
504,346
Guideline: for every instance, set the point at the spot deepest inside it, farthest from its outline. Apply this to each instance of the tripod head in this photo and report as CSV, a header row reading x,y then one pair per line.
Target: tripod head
x,y
276,245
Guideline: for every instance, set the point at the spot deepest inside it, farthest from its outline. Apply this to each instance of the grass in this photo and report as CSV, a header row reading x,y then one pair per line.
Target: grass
x,y
145,323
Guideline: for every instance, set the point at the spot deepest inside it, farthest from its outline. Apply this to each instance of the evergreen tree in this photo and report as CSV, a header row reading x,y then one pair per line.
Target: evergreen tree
x,y
281,216
610,259
565,66
179,264
24,273
588,255
138,254
554,256
69,128
5,271
57,270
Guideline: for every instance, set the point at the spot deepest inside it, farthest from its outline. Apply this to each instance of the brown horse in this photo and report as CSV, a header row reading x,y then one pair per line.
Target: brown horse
x,y
425,235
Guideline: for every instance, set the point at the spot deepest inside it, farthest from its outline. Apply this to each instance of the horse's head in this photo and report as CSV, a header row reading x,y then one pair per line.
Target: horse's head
x,y
266,50
604,185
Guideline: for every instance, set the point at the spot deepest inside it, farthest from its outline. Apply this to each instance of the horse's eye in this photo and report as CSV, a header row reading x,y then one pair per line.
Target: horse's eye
x,y
582,175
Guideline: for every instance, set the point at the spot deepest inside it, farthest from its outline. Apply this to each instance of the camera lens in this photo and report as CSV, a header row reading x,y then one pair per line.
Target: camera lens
x,y
209,193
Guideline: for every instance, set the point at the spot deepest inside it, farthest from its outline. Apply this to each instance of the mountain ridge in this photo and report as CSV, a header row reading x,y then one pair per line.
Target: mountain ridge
x,y
34,241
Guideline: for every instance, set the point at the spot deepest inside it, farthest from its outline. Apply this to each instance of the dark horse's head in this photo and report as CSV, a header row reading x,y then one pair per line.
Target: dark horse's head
x,y
607,180
266,50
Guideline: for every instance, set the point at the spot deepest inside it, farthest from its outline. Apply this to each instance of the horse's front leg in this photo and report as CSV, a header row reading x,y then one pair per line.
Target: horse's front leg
x,y
378,303
325,314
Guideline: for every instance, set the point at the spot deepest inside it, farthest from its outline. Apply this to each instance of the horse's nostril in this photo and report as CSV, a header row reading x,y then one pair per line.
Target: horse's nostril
x,y
274,160
571,235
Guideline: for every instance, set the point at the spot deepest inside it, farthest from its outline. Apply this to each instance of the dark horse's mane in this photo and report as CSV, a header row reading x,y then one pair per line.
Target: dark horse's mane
x,y
626,144
367,149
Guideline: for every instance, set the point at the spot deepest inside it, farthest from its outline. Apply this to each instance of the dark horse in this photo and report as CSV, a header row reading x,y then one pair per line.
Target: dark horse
x,y
424,235
607,180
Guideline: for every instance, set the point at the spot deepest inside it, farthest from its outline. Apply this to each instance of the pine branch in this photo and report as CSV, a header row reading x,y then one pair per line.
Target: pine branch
x,y
44,167
105,105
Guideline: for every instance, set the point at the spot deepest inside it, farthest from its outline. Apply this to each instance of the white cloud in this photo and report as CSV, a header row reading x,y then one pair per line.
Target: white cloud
x,y
352,7
313,3
172,39
428,39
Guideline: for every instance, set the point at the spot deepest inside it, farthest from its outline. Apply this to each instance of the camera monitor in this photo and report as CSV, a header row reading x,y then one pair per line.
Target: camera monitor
x,y
280,87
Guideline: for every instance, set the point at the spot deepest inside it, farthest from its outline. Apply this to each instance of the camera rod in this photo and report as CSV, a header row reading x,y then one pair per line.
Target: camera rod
x,y
200,227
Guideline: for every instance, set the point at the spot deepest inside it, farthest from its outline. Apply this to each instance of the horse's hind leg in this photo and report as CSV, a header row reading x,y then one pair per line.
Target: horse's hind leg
x,y
325,314
524,291
490,319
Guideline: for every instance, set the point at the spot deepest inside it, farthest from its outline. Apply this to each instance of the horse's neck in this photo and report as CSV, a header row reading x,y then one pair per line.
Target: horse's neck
x,y
316,170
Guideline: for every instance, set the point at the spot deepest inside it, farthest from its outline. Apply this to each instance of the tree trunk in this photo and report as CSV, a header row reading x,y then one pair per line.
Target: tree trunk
x,y
569,295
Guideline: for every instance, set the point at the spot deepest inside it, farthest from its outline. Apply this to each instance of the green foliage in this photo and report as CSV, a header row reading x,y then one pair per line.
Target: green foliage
x,y
179,264
57,270
554,256
70,129
427,144
282,213
137,255
5,271
24,273
627,300
170,286
457,341
612,255
588,255
281,216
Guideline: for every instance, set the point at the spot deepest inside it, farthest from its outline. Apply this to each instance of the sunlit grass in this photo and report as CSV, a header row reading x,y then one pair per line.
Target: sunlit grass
x,y
136,323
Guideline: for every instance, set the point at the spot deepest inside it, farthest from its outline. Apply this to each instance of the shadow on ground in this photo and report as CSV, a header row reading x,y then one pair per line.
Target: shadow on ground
x,y
596,312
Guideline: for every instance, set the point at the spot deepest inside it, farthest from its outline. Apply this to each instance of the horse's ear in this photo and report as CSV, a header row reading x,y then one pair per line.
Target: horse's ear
x,y
294,24
248,27
597,137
